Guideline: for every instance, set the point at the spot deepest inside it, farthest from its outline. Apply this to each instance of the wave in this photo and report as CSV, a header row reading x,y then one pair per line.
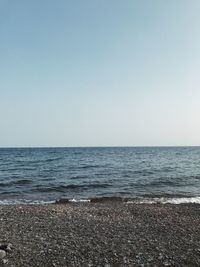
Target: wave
x,y
63,188
162,182
162,200
78,177
22,182
181,200
26,162
89,166
24,202
18,182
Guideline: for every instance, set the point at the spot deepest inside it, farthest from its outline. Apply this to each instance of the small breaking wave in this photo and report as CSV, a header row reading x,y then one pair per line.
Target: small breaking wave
x,y
160,200
24,202
183,200
163,200
91,200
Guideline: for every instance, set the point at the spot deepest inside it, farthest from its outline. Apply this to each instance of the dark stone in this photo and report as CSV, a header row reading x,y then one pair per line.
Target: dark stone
x,y
62,201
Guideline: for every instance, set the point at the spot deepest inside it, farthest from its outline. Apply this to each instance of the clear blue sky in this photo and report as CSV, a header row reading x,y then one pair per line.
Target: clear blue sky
x,y
99,72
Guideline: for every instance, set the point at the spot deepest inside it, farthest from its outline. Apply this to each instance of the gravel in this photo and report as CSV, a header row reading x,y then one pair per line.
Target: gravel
x,y
100,234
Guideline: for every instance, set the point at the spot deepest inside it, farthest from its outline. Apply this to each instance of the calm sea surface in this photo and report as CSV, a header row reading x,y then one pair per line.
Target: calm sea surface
x,y
47,174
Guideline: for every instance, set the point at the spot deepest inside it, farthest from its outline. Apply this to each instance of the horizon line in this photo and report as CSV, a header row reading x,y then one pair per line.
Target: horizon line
x,y
126,146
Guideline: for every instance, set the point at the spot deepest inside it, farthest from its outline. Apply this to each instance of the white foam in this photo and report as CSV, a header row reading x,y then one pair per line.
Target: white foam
x,y
24,202
79,200
183,200
175,200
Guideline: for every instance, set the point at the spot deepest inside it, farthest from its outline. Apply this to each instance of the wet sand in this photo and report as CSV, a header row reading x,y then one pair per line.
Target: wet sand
x,y
101,234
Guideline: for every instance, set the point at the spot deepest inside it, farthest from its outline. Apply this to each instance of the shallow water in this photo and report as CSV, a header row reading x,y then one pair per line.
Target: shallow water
x,y
46,174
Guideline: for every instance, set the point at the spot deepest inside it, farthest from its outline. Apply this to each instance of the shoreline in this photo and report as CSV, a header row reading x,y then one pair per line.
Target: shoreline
x,y
165,199
101,234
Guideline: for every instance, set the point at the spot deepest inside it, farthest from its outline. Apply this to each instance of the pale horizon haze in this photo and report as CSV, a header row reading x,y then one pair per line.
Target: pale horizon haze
x,y
99,73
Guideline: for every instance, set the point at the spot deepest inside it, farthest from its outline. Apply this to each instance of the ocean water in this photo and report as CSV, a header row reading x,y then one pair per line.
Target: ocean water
x,y
142,174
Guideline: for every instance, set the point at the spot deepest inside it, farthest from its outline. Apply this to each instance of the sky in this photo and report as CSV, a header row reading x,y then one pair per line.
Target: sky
x,y
99,73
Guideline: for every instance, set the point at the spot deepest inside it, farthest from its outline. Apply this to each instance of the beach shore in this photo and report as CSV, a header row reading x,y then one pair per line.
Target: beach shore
x,y
101,234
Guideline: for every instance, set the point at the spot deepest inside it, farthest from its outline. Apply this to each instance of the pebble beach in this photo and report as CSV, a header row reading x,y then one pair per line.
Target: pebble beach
x,y
100,234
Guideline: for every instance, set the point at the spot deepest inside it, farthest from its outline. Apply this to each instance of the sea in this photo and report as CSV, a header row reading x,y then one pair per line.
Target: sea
x,y
133,174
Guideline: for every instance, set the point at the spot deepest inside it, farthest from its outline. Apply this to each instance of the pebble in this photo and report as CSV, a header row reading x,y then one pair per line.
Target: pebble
x,y
9,247
166,263
5,261
2,254
6,247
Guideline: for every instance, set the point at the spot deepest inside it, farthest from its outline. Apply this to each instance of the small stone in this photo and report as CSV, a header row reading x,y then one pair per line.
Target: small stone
x,y
2,254
6,246
9,247
62,201
5,261
167,263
